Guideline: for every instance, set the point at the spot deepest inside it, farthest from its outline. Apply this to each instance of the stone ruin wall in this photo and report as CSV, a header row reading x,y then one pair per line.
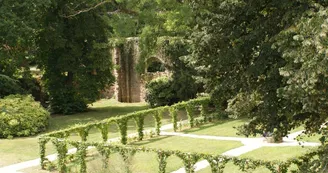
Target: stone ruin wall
x,y
128,87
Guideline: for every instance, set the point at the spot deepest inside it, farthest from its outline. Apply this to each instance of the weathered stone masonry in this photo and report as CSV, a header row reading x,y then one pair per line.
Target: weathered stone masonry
x,y
129,86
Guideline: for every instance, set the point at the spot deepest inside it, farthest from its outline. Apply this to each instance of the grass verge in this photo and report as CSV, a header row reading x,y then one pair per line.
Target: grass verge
x,y
268,154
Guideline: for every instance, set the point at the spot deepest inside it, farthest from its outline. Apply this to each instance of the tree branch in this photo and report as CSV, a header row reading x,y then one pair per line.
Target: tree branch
x,y
119,10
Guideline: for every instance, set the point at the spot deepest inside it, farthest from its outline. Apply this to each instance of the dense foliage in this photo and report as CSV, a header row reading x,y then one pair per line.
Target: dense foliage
x,y
75,54
180,85
68,41
159,92
9,86
18,29
183,82
265,60
21,116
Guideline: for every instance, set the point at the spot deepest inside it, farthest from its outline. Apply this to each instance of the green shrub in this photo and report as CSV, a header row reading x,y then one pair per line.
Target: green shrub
x,y
160,93
9,86
20,115
167,91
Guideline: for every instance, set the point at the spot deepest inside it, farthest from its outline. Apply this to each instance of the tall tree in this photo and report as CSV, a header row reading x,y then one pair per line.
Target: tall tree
x,y
74,53
18,28
245,52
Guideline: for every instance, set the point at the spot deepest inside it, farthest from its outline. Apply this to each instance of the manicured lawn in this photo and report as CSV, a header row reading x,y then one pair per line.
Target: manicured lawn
x,y
147,162
144,162
23,149
219,128
98,111
11,150
312,138
186,144
265,153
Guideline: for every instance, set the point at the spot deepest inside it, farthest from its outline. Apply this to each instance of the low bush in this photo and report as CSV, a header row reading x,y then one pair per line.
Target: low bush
x,y
167,91
20,115
160,93
9,86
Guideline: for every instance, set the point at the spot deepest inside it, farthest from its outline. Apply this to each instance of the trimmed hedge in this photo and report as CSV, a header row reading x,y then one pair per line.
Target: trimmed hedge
x,y
9,86
20,115
121,122
310,162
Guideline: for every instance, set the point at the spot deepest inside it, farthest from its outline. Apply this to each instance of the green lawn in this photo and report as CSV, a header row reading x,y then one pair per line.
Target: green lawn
x,y
312,138
11,150
265,153
23,149
147,162
219,128
186,144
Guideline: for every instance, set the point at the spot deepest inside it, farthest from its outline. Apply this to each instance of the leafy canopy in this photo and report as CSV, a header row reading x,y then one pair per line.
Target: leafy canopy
x,y
266,59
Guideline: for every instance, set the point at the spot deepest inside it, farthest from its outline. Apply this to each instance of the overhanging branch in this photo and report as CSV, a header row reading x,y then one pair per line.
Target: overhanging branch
x,y
119,10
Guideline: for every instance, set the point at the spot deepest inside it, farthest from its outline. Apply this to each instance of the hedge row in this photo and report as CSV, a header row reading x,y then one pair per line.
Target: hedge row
x,y
306,163
217,162
138,117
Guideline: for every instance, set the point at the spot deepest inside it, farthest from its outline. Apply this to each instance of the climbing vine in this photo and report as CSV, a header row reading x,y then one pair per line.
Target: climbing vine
x,y
306,163
59,138
104,129
217,162
174,115
105,153
162,157
158,115
204,111
139,120
190,114
42,151
122,126
61,147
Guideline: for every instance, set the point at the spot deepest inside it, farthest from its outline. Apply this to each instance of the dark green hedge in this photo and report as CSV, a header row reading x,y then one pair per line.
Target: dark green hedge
x,y
9,86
